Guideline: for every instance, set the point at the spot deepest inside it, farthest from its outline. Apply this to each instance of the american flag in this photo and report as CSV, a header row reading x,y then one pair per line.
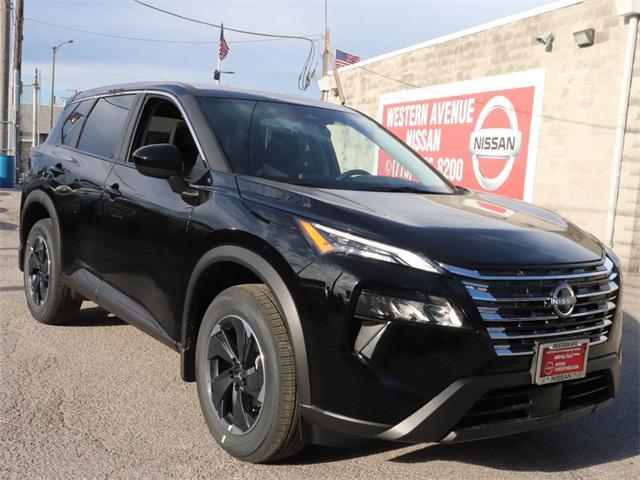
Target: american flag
x,y
223,48
343,59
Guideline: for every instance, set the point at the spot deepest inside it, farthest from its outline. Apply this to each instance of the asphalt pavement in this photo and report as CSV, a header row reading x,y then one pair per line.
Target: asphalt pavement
x,y
100,399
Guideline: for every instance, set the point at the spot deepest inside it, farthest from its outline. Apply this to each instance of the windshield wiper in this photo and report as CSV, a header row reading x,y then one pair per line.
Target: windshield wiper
x,y
303,183
363,188
404,189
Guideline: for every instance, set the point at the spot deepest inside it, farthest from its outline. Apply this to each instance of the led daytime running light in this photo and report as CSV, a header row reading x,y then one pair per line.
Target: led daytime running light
x,y
329,240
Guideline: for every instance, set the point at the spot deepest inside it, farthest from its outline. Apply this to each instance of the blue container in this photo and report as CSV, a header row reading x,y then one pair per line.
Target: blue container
x,y
7,171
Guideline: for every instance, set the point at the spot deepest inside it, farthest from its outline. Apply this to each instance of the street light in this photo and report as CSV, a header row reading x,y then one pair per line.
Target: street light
x,y
53,79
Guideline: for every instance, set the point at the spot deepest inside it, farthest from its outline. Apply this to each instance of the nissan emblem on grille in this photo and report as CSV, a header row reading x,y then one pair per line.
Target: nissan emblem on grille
x,y
563,300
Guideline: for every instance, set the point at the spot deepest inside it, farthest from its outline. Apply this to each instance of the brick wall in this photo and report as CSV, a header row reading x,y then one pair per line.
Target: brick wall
x,y
580,105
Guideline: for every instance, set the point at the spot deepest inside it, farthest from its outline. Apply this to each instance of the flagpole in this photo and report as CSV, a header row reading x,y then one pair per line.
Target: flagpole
x,y
219,72
220,51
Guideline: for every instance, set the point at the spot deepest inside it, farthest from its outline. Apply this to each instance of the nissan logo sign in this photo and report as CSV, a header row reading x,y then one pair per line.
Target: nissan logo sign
x,y
563,300
499,144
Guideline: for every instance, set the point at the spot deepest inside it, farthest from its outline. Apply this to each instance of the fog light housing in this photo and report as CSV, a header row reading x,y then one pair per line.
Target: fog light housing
x,y
431,310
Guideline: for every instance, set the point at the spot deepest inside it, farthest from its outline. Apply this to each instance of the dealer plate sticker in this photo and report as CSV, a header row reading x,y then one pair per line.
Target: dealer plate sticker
x,y
561,361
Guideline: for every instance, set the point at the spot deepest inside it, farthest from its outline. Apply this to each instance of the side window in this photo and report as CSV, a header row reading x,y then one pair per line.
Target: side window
x,y
72,126
162,122
104,127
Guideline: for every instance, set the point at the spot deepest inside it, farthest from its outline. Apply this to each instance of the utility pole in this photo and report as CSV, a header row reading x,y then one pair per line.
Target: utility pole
x,y
53,86
326,52
17,78
36,109
5,67
338,82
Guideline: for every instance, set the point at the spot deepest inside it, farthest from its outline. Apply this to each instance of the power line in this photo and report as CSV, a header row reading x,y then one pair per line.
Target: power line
x,y
124,73
215,25
397,80
307,72
143,39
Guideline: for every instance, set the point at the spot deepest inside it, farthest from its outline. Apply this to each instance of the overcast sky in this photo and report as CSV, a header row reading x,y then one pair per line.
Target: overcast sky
x,y
364,28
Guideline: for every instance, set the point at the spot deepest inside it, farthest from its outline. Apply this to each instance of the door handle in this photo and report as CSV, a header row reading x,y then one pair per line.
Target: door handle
x,y
113,190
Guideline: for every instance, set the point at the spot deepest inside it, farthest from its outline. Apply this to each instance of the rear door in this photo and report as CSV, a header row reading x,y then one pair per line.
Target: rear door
x,y
80,160
145,237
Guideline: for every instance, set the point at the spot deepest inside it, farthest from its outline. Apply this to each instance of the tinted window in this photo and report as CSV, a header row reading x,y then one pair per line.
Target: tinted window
x,y
317,147
104,127
230,120
162,122
72,126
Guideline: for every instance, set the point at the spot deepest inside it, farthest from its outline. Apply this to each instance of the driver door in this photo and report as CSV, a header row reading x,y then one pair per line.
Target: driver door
x,y
145,240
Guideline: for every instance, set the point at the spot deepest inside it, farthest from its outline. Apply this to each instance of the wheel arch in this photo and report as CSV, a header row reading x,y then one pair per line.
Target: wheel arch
x,y
36,206
257,267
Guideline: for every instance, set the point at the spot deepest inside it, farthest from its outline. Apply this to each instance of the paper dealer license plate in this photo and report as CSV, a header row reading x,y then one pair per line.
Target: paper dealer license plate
x,y
560,361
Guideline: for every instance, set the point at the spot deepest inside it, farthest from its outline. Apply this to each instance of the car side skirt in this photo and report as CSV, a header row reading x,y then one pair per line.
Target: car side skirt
x,y
95,289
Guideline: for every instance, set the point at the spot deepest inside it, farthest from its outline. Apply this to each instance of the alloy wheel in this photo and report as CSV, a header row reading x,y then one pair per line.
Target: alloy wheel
x,y
236,374
39,268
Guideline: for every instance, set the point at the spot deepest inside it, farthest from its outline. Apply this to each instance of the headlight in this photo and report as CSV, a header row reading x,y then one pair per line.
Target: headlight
x,y
329,240
434,310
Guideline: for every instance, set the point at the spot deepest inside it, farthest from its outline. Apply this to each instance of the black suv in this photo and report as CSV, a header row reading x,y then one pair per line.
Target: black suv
x,y
313,298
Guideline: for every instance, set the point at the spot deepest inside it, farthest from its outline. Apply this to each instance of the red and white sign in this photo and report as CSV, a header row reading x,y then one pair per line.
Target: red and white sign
x,y
481,134
562,361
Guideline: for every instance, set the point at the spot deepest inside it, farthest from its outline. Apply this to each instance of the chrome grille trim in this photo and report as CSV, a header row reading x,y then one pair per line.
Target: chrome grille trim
x,y
485,296
500,334
601,339
613,287
507,352
517,309
605,269
496,317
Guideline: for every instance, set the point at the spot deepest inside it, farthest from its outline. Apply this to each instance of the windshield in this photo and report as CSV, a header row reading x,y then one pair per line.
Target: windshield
x,y
317,147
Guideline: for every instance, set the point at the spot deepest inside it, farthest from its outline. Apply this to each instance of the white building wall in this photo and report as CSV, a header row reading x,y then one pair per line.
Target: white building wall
x,y
580,103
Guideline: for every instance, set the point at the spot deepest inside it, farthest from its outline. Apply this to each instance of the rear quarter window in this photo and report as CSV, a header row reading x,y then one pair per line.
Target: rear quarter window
x,y
104,127
72,126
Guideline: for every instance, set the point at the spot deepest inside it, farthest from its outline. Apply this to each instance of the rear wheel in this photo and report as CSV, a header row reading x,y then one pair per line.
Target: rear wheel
x,y
49,300
246,375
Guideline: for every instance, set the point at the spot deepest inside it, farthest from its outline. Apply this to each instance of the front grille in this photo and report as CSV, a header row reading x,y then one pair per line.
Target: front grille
x,y
516,403
499,406
516,305
594,388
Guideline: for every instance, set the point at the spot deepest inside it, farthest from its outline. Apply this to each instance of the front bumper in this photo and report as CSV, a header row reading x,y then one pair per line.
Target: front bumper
x,y
448,417
409,382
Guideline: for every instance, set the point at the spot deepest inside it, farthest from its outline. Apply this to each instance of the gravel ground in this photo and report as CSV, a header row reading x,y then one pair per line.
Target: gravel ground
x,y
100,399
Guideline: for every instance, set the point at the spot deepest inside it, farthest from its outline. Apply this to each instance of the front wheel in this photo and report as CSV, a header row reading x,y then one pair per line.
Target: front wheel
x,y
246,376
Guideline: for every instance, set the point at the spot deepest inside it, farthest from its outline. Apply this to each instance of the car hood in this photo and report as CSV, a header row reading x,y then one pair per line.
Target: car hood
x,y
465,229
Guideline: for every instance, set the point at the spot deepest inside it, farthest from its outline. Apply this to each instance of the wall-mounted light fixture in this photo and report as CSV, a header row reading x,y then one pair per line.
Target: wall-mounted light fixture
x,y
546,39
584,38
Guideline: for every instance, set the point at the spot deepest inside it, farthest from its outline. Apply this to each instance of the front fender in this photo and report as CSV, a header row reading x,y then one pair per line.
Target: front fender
x,y
270,277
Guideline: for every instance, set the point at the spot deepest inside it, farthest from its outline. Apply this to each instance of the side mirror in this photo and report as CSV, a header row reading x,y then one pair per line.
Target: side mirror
x,y
161,160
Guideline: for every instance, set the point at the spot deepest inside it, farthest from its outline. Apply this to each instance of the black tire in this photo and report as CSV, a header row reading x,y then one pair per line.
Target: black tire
x,y
57,306
276,431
